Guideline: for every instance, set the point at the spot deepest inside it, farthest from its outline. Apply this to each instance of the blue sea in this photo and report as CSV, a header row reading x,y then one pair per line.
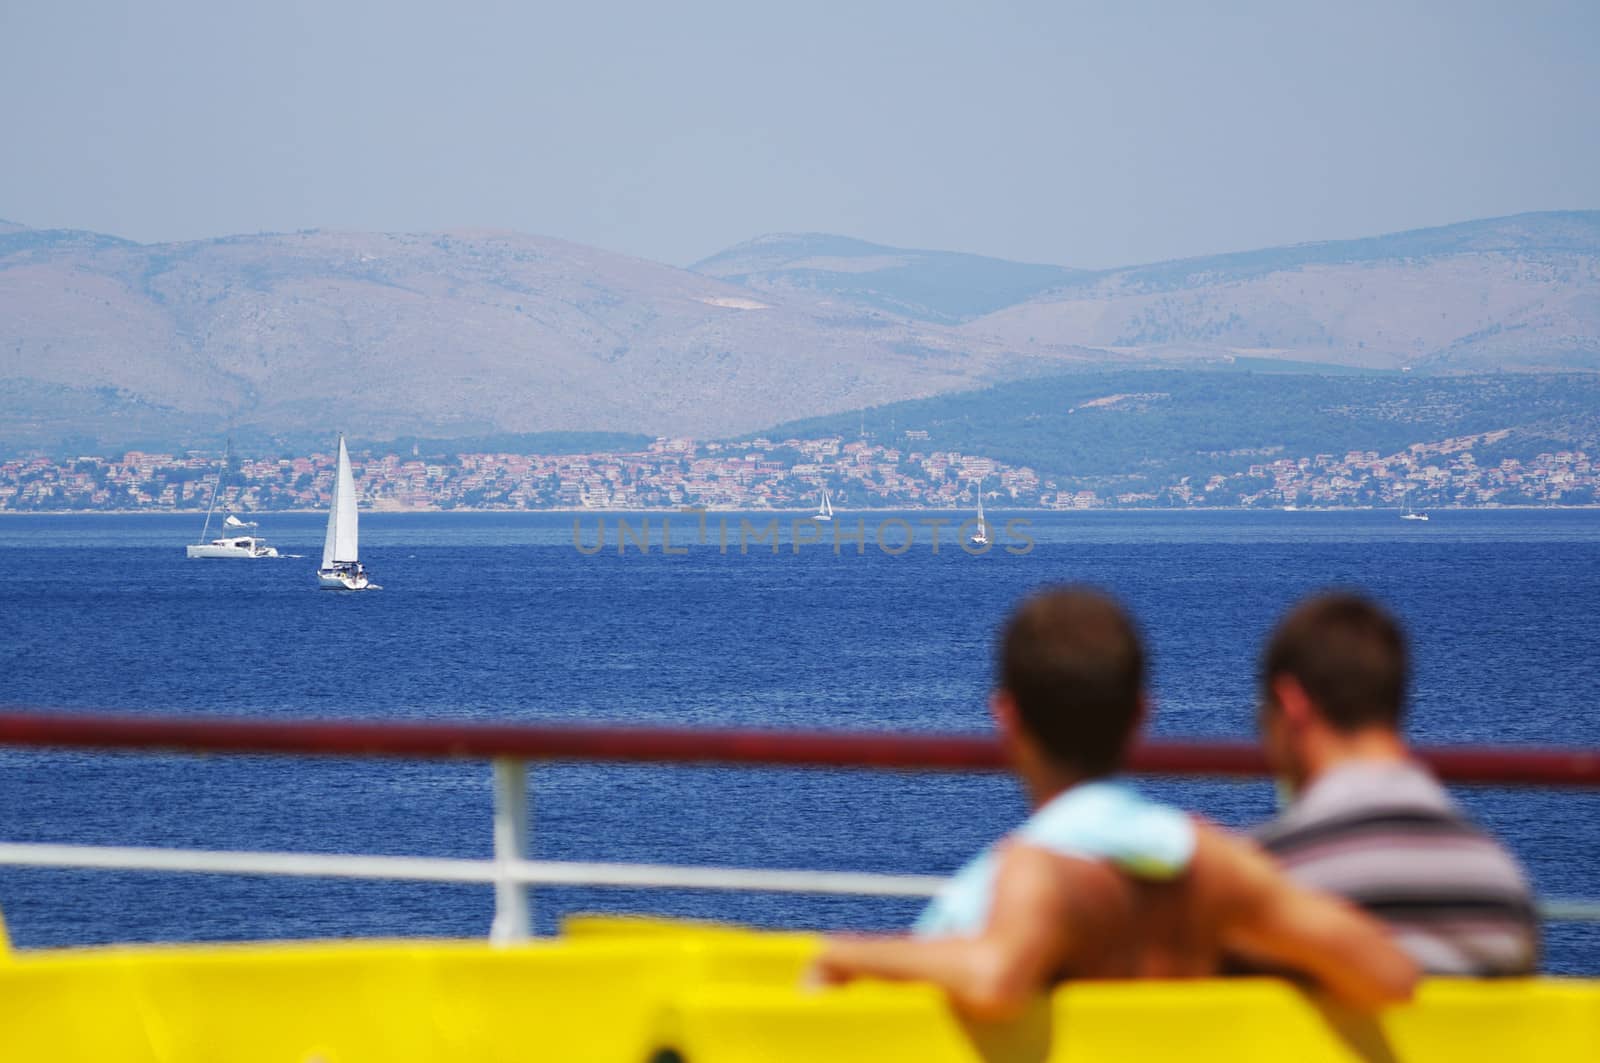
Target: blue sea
x,y
499,617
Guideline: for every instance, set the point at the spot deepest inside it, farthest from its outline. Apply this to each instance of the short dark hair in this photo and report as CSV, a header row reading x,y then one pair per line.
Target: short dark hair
x,y
1348,654
1071,660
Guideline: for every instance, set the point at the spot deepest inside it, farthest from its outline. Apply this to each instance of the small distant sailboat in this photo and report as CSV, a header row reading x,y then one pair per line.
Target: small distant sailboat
x,y
825,509
341,565
231,543
1410,514
981,536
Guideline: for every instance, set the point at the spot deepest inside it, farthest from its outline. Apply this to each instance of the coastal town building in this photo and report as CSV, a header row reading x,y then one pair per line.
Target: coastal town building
x,y
763,473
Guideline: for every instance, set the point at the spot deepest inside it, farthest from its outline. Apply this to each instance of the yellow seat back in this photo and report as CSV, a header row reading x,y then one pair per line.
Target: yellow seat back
x,y
1233,1021
615,991
369,1002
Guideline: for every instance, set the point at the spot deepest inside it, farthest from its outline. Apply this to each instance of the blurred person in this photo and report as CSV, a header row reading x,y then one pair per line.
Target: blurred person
x,y
1101,881
1364,819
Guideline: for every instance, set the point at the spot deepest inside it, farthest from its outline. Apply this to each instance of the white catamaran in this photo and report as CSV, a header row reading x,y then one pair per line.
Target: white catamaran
x,y
981,536
825,510
341,566
232,543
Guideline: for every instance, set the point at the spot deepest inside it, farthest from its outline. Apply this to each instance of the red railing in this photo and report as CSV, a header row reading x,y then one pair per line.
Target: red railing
x,y
512,748
1476,765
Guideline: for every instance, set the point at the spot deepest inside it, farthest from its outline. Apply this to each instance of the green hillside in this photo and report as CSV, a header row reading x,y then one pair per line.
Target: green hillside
x,y
1156,425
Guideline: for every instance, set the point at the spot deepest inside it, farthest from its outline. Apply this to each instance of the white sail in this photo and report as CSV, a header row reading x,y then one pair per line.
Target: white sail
x,y
340,544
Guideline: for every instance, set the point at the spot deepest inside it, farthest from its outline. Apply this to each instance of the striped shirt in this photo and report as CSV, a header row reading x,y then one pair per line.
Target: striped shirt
x,y
1387,836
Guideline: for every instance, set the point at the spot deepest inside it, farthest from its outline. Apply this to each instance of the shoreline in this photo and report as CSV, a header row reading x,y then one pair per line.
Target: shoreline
x,y
713,511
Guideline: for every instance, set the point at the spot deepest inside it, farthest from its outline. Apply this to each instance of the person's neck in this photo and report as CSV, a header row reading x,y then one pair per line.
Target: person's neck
x,y
1372,745
1048,782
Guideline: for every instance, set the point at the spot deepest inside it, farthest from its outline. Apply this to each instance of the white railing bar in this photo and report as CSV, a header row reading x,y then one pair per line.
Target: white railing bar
x,y
513,918
530,872
455,869
1565,911
674,876
208,861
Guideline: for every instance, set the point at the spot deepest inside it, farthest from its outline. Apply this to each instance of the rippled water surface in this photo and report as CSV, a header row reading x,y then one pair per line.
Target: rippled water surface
x,y
500,618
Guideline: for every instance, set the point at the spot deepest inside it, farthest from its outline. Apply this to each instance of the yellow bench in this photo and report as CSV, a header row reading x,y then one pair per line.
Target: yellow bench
x,y
628,990
1230,1021
385,1002
1233,1021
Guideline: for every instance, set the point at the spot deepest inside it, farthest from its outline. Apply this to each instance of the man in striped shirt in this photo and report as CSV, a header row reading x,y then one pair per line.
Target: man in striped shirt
x,y
1366,820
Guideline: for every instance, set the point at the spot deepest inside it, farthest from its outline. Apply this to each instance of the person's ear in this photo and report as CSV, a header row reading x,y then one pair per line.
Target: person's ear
x,y
1004,710
1294,704
1014,737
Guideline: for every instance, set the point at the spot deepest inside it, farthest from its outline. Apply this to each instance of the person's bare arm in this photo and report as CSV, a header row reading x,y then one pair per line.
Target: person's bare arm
x,y
1030,937
1269,917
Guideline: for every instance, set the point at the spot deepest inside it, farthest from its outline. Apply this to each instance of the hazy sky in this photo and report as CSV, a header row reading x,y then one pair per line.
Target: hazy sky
x,y
1087,134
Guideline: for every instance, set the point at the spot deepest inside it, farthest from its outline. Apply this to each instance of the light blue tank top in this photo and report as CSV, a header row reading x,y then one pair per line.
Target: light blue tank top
x,y
1095,821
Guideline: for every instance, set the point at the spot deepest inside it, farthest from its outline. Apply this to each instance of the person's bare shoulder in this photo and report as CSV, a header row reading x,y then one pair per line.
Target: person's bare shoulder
x,y
1080,909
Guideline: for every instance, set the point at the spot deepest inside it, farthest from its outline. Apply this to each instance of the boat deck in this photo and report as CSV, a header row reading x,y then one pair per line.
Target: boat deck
x,y
642,990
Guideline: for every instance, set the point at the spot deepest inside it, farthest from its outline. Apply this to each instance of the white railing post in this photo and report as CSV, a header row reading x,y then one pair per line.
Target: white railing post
x,y
513,920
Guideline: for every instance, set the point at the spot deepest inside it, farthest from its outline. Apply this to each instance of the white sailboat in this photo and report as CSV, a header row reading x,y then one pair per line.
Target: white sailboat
x,y
825,509
232,543
1410,514
341,565
981,536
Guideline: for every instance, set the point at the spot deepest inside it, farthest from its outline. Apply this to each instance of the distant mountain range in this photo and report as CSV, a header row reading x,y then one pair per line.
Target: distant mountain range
x,y
105,342
1506,293
944,287
442,335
